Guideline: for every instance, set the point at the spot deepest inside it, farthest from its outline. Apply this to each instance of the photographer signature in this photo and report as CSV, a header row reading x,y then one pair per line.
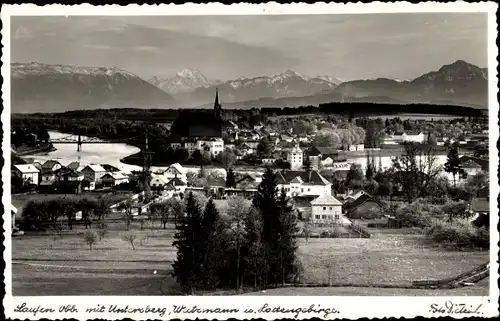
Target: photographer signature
x,y
450,307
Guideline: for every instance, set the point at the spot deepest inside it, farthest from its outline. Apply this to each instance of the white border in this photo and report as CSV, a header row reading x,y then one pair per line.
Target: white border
x,y
350,307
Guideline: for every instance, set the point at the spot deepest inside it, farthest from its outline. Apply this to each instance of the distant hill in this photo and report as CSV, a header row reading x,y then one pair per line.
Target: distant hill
x,y
53,88
459,83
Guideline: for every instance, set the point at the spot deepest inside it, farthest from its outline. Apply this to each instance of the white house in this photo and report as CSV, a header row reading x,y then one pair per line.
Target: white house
x,y
27,172
214,146
158,181
357,147
301,183
93,172
294,157
175,170
402,137
326,209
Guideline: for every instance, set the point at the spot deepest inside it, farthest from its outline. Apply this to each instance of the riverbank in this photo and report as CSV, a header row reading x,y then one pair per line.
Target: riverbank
x,y
45,148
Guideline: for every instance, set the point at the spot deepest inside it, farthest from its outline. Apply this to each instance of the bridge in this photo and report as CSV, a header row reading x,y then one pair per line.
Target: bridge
x,y
79,141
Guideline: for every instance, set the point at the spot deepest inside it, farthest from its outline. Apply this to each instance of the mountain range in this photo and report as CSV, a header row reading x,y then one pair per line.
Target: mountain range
x,y
50,88
39,87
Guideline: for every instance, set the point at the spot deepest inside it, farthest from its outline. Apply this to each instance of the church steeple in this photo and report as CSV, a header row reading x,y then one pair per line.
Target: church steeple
x,y
217,105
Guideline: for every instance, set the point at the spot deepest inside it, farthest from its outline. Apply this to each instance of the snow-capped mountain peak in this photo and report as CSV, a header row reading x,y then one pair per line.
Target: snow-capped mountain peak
x,y
186,80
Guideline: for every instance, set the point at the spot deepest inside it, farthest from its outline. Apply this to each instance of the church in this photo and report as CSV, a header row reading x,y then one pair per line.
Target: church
x,y
199,129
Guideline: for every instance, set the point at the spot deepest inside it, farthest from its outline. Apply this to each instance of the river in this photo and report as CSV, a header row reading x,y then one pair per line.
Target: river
x,y
112,153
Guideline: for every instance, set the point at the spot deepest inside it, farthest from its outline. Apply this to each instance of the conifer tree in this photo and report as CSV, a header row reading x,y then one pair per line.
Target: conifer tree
x,y
287,238
189,243
265,201
253,256
453,164
209,236
230,179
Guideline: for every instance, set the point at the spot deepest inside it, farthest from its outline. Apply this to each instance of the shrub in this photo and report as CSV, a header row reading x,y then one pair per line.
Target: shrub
x,y
336,232
90,238
130,238
459,232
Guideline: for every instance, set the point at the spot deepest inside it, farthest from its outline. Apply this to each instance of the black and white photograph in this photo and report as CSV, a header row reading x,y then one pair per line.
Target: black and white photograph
x,y
331,154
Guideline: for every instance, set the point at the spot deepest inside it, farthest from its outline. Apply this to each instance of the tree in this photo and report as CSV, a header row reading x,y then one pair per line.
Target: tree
x,y
127,207
90,238
327,138
287,238
264,147
253,249
130,238
209,227
238,207
453,164
415,171
227,158
230,179
265,201
188,241
480,150
431,139
102,230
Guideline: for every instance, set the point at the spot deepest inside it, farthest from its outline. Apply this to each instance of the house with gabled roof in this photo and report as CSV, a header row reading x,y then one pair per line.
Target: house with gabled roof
x,y
301,183
28,172
175,170
327,209
365,206
93,172
52,165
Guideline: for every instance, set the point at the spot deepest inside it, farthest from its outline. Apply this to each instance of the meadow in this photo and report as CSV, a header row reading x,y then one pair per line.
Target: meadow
x,y
45,265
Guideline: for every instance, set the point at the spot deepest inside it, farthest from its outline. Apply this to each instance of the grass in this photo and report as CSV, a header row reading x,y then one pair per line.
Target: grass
x,y
68,267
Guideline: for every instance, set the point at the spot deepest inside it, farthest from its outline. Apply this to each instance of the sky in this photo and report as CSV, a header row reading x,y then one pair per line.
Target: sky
x,y
398,45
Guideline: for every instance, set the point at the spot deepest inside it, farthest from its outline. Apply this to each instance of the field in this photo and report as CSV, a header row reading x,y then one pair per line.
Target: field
x,y
42,265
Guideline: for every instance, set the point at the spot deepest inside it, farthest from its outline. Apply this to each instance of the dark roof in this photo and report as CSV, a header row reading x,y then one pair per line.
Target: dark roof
x,y
177,182
315,178
73,165
327,151
50,164
480,205
110,168
351,206
303,201
197,124
484,163
216,182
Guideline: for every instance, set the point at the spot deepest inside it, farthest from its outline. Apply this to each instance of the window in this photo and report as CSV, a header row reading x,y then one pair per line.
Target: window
x,y
330,208
318,217
302,190
324,208
323,217
337,217
308,189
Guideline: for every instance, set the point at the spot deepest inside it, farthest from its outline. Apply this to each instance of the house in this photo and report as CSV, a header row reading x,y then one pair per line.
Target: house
x,y
484,163
295,159
179,185
268,161
302,183
258,126
28,172
114,178
93,172
213,145
365,206
175,170
67,174
350,197
48,175
327,157
402,137
52,165
357,147
158,182
247,182
326,209
37,165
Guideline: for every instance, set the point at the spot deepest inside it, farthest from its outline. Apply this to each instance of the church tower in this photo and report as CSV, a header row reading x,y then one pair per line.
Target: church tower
x,y
217,105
